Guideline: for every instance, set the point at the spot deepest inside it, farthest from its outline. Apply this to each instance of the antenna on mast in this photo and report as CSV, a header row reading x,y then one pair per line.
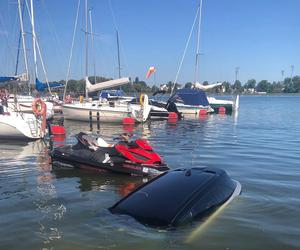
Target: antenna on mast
x,y
237,69
292,72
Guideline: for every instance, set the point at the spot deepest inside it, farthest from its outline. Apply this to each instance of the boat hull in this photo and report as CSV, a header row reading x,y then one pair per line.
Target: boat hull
x,y
81,112
217,103
18,126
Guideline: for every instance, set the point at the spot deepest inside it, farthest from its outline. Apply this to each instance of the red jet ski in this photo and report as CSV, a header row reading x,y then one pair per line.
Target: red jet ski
x,y
128,157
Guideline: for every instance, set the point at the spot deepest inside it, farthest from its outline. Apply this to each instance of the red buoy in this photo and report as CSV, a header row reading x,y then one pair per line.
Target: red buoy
x,y
129,128
222,110
58,138
202,112
128,121
173,115
57,130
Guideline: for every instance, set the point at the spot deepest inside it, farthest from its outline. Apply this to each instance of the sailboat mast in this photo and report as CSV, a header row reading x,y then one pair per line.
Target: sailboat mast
x,y
86,48
33,40
119,61
198,42
92,40
23,39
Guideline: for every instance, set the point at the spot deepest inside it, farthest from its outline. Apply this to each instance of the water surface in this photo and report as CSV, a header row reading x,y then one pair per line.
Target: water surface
x,y
45,209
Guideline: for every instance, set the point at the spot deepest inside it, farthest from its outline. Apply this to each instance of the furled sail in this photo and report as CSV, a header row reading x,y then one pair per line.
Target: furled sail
x,y
105,85
18,78
40,86
8,78
198,85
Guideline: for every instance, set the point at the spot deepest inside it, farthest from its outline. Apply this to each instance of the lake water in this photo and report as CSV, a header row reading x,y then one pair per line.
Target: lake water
x,y
45,209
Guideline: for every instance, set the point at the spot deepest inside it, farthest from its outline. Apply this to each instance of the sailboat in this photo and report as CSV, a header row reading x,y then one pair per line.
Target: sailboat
x,y
23,103
14,124
112,111
197,92
21,126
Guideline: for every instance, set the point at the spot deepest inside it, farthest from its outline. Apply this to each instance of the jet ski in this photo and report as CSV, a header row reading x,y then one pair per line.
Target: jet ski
x,y
178,197
93,153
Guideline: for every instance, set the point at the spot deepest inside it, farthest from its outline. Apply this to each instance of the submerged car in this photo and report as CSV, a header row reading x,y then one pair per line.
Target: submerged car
x,y
178,197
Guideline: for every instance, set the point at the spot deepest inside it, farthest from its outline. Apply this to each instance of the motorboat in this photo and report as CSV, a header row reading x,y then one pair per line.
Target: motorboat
x,y
93,153
228,106
179,197
190,101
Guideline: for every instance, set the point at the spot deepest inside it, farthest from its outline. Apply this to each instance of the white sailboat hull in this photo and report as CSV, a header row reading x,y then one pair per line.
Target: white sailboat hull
x,y
81,112
20,126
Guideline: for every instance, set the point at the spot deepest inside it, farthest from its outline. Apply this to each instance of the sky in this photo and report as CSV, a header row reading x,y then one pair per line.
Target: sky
x,y
261,37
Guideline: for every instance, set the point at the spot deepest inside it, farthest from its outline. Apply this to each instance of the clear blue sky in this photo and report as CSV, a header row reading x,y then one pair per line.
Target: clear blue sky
x,y
262,37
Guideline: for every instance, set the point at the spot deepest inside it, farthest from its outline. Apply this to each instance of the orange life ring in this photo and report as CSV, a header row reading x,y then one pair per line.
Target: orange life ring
x,y
39,107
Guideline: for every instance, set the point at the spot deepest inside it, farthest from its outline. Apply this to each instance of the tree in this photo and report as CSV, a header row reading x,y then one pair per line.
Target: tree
x,y
228,88
263,86
154,88
250,84
237,86
188,85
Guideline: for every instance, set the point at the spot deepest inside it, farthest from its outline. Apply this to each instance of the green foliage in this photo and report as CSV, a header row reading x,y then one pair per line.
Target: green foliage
x,y
188,85
77,87
237,87
250,84
263,86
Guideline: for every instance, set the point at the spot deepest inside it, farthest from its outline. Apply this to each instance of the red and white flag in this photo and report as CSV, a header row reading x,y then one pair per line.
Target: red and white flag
x,y
151,70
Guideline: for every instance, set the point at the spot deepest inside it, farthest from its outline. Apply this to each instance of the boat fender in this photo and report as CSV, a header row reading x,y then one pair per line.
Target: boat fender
x,y
202,112
68,99
39,107
142,99
222,110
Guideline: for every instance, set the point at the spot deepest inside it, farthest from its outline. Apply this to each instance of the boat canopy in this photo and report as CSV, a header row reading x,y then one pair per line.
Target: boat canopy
x,y
40,86
7,78
111,93
105,85
190,97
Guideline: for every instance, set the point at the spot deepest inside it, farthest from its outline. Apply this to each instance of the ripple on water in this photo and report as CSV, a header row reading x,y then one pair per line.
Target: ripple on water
x,y
45,208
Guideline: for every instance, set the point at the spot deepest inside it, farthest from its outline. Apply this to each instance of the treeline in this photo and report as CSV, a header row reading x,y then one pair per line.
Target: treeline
x,y
77,87
288,85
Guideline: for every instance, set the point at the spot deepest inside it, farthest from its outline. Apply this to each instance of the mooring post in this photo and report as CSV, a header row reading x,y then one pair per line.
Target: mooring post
x,y
91,120
98,121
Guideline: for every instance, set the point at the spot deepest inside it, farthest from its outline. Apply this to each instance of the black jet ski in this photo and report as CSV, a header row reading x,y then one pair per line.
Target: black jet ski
x,y
93,153
178,197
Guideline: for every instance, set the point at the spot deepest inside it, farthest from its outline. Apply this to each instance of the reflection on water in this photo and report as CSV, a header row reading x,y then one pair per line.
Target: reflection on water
x,y
88,181
45,208
49,207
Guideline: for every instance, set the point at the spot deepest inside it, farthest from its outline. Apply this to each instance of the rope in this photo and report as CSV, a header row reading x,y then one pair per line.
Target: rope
x,y
198,42
39,51
122,50
185,49
72,47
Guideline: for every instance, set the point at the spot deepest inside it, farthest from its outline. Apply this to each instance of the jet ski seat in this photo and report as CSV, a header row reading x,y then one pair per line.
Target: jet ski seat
x,y
103,143
92,142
